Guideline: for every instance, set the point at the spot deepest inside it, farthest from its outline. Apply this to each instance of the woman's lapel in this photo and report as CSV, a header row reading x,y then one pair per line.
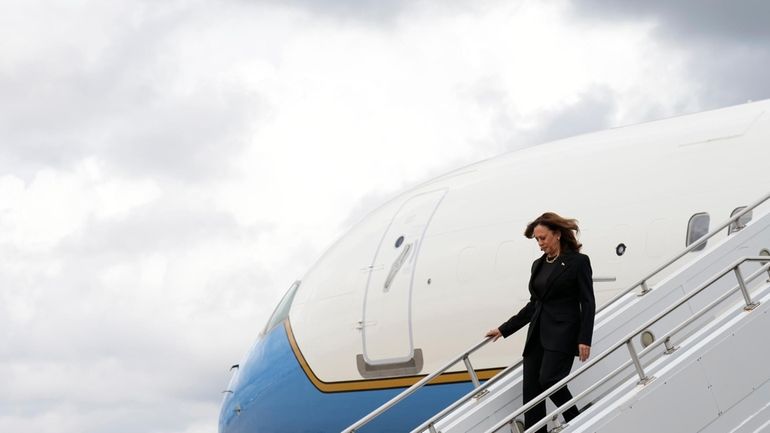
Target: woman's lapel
x,y
564,262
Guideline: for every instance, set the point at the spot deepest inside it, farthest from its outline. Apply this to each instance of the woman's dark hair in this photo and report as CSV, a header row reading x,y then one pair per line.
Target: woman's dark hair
x,y
567,227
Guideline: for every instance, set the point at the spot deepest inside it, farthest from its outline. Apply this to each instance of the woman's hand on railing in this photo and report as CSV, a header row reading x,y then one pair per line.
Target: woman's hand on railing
x,y
495,334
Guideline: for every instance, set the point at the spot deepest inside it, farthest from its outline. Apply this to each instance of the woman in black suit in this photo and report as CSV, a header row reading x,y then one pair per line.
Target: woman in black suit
x,y
560,313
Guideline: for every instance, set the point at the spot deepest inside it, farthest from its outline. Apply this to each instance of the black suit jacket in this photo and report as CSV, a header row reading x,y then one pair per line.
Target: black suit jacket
x,y
563,316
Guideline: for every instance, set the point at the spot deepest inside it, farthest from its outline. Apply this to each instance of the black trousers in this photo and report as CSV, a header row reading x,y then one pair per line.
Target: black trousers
x,y
542,369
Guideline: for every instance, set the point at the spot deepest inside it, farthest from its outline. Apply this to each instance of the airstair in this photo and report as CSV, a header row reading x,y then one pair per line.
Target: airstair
x,y
685,349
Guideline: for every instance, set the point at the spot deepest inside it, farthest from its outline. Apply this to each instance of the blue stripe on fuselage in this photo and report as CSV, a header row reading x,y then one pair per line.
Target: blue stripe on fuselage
x,y
275,396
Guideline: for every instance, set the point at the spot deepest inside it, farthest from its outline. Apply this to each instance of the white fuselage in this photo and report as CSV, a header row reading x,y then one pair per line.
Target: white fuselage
x,y
427,274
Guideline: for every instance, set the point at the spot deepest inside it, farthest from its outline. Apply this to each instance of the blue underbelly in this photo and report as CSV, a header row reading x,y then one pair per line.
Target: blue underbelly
x,y
272,394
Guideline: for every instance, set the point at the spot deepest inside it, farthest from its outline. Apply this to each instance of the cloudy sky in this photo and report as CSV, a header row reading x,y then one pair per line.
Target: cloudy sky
x,y
168,168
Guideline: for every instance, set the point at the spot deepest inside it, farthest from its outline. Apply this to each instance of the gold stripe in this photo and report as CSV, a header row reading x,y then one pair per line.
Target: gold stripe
x,y
374,384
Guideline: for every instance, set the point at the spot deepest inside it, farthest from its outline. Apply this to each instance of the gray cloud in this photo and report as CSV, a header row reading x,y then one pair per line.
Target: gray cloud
x,y
90,352
592,112
168,224
189,138
366,10
743,22
373,12
725,43
730,74
117,102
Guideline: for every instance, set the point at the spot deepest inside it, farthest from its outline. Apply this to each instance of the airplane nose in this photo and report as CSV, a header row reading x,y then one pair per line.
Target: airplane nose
x,y
260,375
272,393
262,389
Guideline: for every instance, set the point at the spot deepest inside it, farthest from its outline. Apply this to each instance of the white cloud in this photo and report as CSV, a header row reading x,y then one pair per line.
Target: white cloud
x,y
54,204
169,169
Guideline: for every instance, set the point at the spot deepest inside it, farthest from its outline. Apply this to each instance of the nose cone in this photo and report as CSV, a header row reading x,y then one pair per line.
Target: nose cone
x,y
272,393
228,409
253,402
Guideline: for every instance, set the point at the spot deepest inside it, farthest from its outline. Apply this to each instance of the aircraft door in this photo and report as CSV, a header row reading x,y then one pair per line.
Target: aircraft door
x,y
387,327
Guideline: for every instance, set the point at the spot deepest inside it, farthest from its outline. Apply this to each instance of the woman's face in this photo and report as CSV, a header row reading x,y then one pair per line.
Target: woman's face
x,y
547,240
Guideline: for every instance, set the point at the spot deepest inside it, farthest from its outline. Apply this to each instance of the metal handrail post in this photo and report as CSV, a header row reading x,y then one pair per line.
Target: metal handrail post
x,y
643,379
645,288
744,291
664,339
473,394
471,372
412,389
669,347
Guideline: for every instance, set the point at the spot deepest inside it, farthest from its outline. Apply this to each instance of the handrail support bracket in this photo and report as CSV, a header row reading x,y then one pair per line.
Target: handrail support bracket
x,y
471,372
643,379
750,305
670,348
645,289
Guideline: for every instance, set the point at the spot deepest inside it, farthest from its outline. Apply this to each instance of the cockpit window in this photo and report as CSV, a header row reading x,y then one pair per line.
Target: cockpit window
x,y
697,228
282,310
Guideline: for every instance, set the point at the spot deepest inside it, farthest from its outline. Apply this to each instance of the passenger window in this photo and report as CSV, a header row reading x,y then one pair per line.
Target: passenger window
x,y
282,310
696,228
741,222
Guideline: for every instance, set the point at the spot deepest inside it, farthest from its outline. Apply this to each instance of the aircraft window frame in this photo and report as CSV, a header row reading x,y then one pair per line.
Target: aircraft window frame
x,y
741,222
696,230
283,308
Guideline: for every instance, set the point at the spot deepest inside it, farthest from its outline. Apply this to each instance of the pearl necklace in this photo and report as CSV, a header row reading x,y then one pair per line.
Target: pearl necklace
x,y
547,260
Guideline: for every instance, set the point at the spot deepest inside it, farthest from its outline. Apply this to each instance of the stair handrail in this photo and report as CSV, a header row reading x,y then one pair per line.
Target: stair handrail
x,y
627,340
412,389
465,355
703,239
430,423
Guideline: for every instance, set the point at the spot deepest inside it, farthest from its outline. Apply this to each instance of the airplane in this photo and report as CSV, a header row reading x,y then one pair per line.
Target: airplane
x,y
425,275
